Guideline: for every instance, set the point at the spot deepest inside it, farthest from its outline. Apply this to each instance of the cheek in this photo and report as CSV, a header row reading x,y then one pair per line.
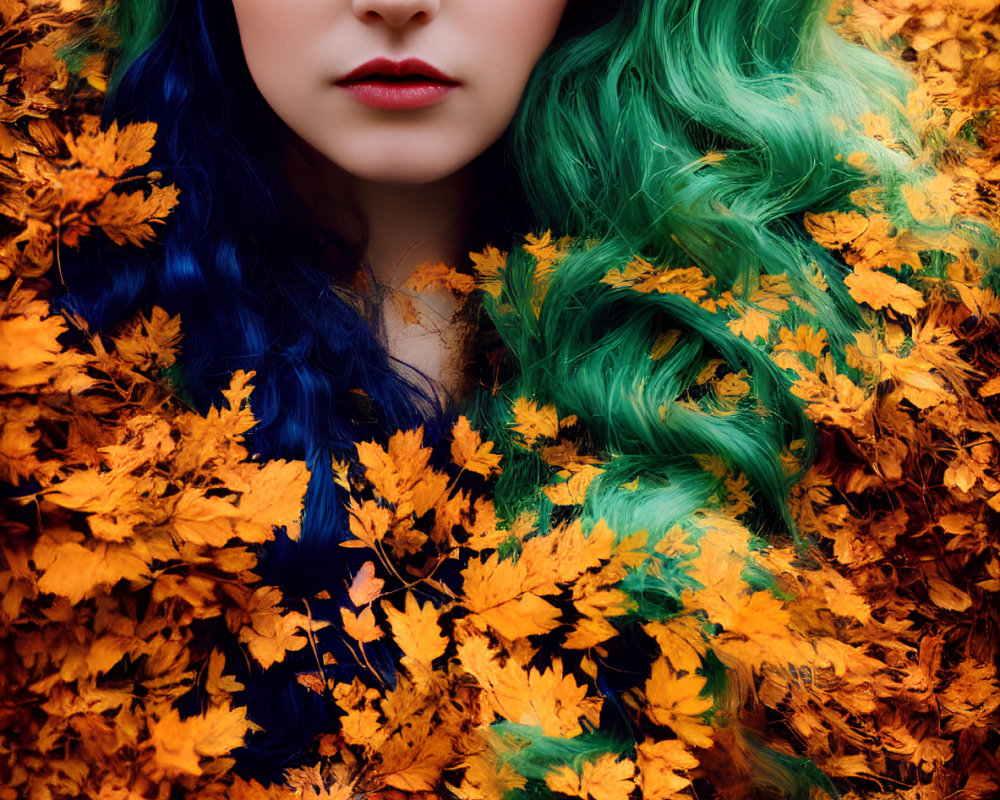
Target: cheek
x,y
511,36
279,41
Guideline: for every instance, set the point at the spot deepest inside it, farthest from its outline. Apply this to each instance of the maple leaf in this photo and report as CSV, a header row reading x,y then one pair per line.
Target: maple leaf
x,y
835,229
573,491
395,470
658,763
642,276
489,266
114,152
469,452
604,779
805,339
417,633
74,571
439,276
271,632
486,779
752,324
369,522
534,422
180,744
499,594
220,686
127,218
879,290
677,702
361,626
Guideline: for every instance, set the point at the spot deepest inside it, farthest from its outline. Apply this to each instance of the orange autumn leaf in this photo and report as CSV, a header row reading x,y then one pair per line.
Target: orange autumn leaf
x,y
605,778
752,324
947,596
642,276
879,290
397,469
361,626
126,218
677,702
658,763
114,151
180,744
535,422
489,265
417,632
74,571
835,229
439,276
469,451
365,588
573,490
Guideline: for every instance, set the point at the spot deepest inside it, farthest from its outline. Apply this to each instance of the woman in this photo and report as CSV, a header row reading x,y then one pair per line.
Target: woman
x,y
323,151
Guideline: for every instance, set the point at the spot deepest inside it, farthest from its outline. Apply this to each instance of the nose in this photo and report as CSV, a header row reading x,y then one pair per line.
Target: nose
x,y
396,13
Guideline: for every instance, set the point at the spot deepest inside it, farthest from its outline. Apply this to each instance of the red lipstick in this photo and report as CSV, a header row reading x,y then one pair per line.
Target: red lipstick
x,y
397,85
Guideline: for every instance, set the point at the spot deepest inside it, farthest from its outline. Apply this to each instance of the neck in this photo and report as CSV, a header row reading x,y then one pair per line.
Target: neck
x,y
411,224
399,225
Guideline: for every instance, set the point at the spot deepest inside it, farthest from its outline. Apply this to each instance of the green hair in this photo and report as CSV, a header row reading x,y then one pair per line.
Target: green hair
x,y
611,142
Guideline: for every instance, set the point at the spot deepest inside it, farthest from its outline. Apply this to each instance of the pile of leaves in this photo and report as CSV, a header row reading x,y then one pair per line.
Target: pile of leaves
x,y
131,524
129,521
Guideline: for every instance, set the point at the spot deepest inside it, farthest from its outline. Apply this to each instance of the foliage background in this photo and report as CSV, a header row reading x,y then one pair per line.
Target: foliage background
x,y
131,522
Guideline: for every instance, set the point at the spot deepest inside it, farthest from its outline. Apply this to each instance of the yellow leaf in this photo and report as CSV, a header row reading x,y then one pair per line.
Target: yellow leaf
x,y
752,324
219,686
664,344
395,470
365,587
879,290
945,595
126,218
643,276
416,632
534,422
361,626
573,491
528,615
489,265
835,229
178,745
76,572
658,763
564,780
469,452
603,779
677,702
439,276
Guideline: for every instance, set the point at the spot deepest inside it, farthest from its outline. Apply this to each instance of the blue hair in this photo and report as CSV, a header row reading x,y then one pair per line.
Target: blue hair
x,y
244,275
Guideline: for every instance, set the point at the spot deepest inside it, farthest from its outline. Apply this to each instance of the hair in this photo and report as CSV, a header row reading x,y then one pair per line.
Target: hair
x,y
608,147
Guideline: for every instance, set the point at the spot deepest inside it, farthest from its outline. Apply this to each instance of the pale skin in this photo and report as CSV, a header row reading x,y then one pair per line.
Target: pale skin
x,y
401,175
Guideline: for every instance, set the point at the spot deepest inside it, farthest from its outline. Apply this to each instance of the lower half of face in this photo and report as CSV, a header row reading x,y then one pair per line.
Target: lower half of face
x,y
395,91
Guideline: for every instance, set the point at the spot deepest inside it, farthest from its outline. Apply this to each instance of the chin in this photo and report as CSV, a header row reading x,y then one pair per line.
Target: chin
x,y
408,170
404,160
404,173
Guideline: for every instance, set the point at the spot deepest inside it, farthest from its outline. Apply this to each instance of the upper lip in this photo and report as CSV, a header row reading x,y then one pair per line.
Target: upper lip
x,y
385,67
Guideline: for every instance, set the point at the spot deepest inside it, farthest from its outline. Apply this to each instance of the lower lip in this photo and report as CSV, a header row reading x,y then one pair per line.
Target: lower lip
x,y
397,96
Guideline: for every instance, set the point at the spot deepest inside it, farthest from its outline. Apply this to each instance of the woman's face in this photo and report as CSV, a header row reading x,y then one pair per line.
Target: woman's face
x,y
395,91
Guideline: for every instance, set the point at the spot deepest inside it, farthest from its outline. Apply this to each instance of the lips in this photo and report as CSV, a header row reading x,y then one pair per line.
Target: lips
x,y
397,85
